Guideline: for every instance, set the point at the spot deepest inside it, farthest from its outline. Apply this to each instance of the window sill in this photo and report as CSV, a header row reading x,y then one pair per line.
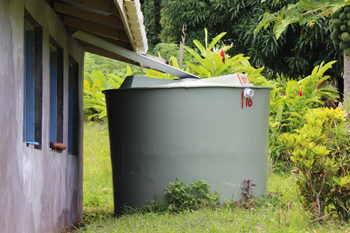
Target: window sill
x,y
31,144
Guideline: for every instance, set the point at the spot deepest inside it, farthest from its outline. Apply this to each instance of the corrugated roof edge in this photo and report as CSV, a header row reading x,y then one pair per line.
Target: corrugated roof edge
x,y
132,17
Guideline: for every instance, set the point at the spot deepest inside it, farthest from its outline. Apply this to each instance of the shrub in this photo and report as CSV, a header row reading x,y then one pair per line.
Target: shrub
x,y
182,196
289,101
320,153
212,60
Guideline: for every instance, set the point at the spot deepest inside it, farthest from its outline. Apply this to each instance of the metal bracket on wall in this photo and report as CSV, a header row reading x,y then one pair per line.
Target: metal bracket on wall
x,y
83,36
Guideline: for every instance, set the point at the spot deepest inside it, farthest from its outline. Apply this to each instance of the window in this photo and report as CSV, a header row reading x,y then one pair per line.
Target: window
x,y
32,109
56,93
73,108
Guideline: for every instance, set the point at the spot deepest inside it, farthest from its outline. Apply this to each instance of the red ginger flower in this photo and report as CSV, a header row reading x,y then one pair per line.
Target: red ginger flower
x,y
222,54
319,85
300,93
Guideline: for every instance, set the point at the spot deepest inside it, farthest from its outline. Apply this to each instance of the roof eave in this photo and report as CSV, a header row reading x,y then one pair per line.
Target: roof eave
x,y
132,18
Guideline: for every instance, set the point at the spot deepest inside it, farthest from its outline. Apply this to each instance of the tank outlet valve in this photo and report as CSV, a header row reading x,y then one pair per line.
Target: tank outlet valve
x,y
248,93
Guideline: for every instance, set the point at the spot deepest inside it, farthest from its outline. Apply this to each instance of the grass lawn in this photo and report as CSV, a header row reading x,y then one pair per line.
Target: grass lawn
x,y
282,214
98,190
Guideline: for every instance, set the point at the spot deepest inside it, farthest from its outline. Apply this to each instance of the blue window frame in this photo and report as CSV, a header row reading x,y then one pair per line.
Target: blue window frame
x,y
28,121
53,94
56,93
32,109
73,108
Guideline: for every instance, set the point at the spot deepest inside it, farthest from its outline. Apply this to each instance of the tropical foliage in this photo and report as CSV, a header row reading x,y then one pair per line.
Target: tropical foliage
x,y
289,101
94,84
319,151
214,63
108,66
297,52
151,10
310,12
157,74
302,12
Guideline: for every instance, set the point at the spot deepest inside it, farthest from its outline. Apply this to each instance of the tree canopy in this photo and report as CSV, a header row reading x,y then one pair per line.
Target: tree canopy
x,y
296,52
307,12
151,10
301,12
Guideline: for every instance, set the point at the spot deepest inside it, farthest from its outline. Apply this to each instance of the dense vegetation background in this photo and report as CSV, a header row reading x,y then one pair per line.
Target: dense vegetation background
x,y
296,52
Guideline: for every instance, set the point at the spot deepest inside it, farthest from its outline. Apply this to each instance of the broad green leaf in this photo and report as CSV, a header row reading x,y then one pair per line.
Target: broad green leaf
x,y
204,71
114,84
295,85
86,85
96,76
193,53
215,40
277,104
227,64
174,61
314,100
99,107
323,79
116,78
297,115
207,64
314,71
291,101
194,67
279,113
103,114
128,71
91,116
206,37
218,61
96,86
326,67
200,47
93,101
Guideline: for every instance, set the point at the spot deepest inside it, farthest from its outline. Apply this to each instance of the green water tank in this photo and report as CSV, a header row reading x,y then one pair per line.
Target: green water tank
x,y
191,129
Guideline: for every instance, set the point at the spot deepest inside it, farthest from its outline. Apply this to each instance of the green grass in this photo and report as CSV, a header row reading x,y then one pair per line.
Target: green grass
x,y
284,213
98,190
266,219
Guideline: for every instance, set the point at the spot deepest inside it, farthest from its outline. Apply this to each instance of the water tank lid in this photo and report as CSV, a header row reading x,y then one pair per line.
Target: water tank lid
x,y
236,80
142,82
233,80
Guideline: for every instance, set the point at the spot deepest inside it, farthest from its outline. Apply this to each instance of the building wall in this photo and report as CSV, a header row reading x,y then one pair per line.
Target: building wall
x,y
40,190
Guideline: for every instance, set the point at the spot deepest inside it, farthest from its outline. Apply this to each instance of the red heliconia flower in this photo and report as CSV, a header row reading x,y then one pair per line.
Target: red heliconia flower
x,y
222,54
300,93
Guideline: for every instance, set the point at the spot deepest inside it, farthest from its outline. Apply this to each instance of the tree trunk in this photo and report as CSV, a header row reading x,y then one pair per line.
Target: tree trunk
x,y
340,88
346,78
182,44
